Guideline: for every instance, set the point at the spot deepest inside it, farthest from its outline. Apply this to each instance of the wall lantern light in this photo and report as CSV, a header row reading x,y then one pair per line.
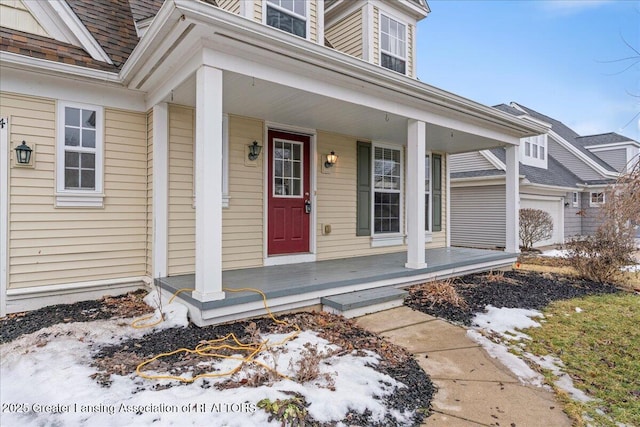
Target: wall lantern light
x,y
23,153
332,158
254,150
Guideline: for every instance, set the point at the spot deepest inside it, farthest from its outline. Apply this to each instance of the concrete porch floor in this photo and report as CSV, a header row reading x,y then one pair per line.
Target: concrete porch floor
x,y
293,286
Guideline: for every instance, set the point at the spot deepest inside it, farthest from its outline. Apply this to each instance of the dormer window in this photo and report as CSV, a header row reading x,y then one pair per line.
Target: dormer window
x,y
533,151
393,44
288,15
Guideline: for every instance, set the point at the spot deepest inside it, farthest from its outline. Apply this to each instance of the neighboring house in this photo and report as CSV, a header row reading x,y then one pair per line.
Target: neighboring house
x,y
146,119
561,172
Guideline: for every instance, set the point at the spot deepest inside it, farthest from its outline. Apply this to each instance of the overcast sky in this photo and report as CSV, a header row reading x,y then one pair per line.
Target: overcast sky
x,y
552,56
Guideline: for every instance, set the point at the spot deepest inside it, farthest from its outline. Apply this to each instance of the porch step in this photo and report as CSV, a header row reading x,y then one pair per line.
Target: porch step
x,y
354,304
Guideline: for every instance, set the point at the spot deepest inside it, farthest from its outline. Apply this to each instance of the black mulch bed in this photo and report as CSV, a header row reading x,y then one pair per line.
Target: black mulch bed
x,y
16,325
122,358
513,289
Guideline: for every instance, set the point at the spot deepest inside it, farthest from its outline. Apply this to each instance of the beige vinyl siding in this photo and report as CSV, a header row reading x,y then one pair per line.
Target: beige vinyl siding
x,y
467,162
336,204
257,10
48,245
410,39
15,15
478,216
346,35
232,6
149,193
182,218
242,230
376,36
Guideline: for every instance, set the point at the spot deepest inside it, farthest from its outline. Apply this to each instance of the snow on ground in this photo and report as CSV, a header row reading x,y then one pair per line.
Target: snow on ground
x,y
507,324
45,380
631,268
556,253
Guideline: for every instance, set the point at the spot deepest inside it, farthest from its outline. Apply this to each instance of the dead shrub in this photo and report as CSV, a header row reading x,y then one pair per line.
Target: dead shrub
x,y
307,368
535,225
498,276
441,292
600,257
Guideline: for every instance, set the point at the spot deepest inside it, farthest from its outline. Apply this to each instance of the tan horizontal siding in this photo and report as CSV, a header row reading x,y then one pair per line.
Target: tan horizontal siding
x,y
257,10
242,228
376,35
346,34
14,14
49,245
182,215
313,20
232,6
410,30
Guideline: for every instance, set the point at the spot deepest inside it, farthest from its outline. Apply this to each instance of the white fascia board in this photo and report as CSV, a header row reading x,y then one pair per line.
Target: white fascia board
x,y
579,154
44,66
55,81
495,161
409,7
551,187
59,17
324,59
616,145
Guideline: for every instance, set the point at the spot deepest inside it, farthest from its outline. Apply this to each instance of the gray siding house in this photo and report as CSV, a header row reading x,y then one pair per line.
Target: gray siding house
x,y
561,172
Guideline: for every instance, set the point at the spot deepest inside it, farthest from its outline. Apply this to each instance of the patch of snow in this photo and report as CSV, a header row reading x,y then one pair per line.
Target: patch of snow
x,y
506,321
46,381
579,310
519,367
556,253
563,381
631,268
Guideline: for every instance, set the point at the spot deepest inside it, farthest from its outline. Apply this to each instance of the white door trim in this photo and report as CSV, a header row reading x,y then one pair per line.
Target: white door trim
x,y
4,212
313,160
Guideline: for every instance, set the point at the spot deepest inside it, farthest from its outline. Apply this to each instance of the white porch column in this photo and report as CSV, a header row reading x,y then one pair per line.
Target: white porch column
x,y
208,184
160,189
416,150
513,199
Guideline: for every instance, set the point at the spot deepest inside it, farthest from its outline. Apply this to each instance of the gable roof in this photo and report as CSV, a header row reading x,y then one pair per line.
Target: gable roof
x,y
111,24
602,139
567,134
40,47
143,9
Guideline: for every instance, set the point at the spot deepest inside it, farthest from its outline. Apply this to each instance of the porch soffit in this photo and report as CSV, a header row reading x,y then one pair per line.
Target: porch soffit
x,y
277,80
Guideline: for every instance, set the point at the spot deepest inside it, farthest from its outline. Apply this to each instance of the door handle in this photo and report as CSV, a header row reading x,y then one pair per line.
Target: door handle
x,y
307,206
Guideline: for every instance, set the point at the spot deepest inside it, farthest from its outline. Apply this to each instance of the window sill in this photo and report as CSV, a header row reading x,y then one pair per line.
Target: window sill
x,y
79,200
381,240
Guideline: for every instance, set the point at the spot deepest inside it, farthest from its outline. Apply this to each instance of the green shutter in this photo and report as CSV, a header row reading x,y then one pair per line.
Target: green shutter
x,y
437,191
363,220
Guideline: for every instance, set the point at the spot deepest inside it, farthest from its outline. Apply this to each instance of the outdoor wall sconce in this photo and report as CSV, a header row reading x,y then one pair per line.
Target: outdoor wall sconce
x,y
254,150
332,158
23,153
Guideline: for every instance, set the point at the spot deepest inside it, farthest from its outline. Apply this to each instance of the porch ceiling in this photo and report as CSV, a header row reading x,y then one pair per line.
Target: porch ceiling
x,y
251,97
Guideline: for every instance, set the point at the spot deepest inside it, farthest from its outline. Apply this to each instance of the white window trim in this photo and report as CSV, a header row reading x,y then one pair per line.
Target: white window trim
x,y
306,19
428,233
382,13
387,239
79,198
597,204
4,211
575,199
535,144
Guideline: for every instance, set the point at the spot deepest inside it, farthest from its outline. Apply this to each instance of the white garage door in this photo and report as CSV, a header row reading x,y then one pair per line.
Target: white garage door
x,y
554,207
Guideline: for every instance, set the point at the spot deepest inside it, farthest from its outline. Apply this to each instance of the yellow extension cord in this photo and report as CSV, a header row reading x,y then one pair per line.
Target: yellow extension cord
x,y
209,348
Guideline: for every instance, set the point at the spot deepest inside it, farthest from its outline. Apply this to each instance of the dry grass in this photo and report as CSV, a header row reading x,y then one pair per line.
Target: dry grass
x,y
440,292
498,276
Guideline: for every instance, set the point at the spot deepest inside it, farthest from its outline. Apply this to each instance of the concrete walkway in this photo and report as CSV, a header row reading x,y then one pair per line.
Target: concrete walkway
x,y
473,388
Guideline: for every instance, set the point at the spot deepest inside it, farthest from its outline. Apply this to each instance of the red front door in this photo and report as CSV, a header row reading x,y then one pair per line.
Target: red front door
x,y
289,193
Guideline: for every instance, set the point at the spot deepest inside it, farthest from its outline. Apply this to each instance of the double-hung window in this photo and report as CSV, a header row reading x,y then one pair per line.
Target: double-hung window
x,y
288,15
575,199
393,44
79,155
597,198
535,151
387,188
